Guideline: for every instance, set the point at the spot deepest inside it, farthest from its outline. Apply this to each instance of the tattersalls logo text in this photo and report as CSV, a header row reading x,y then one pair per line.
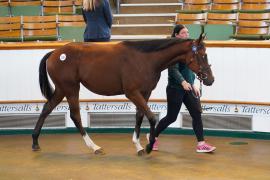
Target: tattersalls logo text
x,y
222,108
256,110
16,108
111,107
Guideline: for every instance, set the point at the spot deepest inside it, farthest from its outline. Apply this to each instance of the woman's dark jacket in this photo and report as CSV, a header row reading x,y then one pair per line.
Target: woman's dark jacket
x,y
98,22
178,73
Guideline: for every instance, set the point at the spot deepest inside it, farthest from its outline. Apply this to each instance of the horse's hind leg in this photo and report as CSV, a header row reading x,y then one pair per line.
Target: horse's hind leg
x,y
47,109
74,106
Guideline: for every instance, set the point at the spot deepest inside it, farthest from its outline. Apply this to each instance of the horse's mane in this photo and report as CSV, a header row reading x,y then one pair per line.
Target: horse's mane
x,y
153,45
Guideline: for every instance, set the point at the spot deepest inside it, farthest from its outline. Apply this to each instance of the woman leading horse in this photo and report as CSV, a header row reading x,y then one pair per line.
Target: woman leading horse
x,y
130,68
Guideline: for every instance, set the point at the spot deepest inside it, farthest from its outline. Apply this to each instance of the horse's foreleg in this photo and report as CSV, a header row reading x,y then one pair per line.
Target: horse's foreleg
x,y
136,134
141,104
47,109
76,118
152,138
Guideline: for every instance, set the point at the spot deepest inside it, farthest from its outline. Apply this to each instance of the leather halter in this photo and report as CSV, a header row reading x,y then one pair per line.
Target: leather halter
x,y
202,74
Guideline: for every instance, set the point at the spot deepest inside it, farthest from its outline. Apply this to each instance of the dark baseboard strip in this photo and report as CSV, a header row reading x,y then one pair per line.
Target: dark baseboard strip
x,y
236,134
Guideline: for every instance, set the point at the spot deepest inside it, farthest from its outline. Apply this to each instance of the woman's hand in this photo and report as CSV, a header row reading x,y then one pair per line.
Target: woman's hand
x,y
196,91
186,86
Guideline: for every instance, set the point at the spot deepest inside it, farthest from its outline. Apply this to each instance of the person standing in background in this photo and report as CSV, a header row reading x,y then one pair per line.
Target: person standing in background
x,y
98,18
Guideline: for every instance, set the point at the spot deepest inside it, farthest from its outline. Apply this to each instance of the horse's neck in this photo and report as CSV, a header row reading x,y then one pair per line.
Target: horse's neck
x,y
169,56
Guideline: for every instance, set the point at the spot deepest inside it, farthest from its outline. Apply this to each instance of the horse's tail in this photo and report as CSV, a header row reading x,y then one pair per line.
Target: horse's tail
x,y
45,86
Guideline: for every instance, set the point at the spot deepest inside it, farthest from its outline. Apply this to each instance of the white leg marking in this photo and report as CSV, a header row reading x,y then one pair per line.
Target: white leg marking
x,y
90,143
137,142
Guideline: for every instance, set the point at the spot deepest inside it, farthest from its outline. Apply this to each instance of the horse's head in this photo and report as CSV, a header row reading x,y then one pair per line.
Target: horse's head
x,y
197,61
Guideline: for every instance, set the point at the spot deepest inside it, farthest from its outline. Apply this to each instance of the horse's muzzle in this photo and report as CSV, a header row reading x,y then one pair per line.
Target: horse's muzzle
x,y
208,82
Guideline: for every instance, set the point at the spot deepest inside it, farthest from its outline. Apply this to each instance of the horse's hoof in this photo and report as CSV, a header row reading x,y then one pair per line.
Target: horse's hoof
x,y
99,151
141,152
35,147
148,148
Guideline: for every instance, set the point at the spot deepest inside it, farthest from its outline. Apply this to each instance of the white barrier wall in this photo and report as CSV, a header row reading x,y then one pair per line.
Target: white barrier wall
x,y
241,74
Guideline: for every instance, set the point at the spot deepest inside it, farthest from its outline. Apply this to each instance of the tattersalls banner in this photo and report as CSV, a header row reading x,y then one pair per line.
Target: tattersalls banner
x,y
236,109
260,114
129,107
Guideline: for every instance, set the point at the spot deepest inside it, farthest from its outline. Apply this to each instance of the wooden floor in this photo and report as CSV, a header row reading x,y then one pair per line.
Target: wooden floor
x,y
66,157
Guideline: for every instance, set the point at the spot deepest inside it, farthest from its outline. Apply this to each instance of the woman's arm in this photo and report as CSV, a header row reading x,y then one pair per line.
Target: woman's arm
x,y
84,17
108,13
176,74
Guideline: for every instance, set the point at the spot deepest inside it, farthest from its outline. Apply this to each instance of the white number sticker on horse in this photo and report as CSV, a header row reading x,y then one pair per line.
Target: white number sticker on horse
x,y
63,57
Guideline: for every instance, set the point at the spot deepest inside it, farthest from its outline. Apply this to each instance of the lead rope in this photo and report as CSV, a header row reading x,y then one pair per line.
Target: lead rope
x,y
200,88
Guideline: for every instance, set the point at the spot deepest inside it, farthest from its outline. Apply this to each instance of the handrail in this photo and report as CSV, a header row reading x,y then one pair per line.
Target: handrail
x,y
150,100
56,44
118,6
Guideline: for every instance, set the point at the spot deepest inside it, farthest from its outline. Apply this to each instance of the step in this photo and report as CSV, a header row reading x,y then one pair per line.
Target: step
x,y
150,1
141,29
164,18
149,8
138,37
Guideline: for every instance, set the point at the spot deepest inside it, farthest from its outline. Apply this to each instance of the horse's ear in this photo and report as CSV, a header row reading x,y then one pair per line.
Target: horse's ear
x,y
202,37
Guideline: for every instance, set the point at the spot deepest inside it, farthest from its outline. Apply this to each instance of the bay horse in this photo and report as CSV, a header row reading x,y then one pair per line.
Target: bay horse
x,y
132,68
